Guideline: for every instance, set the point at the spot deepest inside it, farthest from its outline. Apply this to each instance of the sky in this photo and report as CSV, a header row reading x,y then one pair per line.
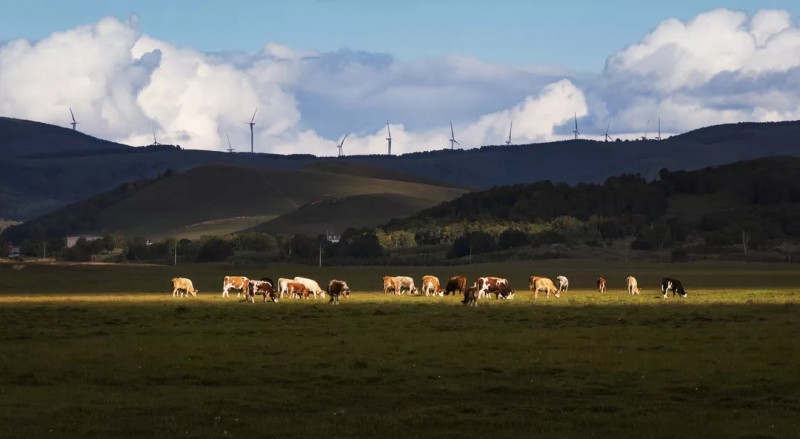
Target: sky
x,y
317,69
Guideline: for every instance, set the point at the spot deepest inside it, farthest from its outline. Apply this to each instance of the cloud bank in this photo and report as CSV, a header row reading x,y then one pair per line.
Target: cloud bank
x,y
722,66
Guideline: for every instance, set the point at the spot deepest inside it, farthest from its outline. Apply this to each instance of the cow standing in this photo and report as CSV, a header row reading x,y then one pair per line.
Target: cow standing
x,y
674,285
182,285
431,286
283,286
563,284
456,283
601,285
633,285
264,287
337,288
390,284
489,284
298,290
405,283
312,286
538,283
470,297
240,283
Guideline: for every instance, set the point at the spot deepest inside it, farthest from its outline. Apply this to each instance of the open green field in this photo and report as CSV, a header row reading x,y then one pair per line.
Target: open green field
x,y
104,351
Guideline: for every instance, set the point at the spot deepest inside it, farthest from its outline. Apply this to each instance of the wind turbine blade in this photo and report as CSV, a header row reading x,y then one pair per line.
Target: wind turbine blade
x,y
608,128
456,142
345,136
452,134
254,115
388,129
229,139
72,114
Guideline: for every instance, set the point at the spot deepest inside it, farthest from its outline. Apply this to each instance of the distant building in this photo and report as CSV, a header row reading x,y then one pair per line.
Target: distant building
x,y
332,238
13,252
72,240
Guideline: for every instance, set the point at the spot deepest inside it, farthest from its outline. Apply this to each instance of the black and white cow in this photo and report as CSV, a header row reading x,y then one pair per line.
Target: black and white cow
x,y
336,288
675,285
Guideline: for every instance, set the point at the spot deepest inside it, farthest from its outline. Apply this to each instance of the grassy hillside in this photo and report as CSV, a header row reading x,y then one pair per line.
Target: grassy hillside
x,y
40,183
187,203
338,214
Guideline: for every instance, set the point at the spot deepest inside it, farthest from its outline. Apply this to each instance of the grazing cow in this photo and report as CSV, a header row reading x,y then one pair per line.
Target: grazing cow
x,y
487,285
264,287
336,288
183,285
405,283
298,290
538,283
601,285
456,283
431,287
312,286
470,297
390,284
633,285
504,291
563,284
240,283
283,286
675,285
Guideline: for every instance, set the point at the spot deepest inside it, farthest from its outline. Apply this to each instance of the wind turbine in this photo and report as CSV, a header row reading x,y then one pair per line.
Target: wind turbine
x,y
659,129
252,124
453,140
576,132
340,145
508,142
73,123
155,142
389,139
608,138
230,148
646,128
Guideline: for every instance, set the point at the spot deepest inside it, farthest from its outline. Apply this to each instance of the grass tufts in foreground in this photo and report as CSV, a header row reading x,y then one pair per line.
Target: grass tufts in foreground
x,y
722,363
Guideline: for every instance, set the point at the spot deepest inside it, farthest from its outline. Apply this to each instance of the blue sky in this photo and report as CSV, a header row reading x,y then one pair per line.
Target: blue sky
x,y
194,71
573,34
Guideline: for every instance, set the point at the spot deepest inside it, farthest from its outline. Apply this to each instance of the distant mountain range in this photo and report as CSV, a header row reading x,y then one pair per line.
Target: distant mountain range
x,y
45,167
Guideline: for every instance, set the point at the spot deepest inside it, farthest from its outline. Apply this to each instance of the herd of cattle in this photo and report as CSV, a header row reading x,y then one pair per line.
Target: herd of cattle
x,y
483,287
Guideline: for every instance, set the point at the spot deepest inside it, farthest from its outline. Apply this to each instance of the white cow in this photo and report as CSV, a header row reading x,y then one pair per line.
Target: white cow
x,y
563,283
633,285
405,283
283,286
182,286
312,286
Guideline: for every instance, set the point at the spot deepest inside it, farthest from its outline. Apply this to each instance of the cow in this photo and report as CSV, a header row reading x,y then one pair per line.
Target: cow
x,y
504,291
184,286
633,285
312,286
297,290
563,284
431,287
390,284
336,288
470,297
456,283
405,283
283,287
264,287
538,283
601,285
487,285
675,285
240,283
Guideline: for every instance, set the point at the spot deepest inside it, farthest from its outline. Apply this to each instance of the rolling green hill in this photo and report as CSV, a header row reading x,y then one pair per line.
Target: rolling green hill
x,y
231,198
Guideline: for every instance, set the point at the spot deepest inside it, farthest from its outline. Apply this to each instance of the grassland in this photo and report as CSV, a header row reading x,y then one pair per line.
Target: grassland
x,y
104,351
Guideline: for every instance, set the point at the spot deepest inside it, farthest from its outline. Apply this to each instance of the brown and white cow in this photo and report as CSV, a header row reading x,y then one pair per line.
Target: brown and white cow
x,y
297,290
390,284
312,286
405,283
633,285
182,286
470,297
538,283
456,283
264,287
335,289
489,284
240,283
601,285
431,287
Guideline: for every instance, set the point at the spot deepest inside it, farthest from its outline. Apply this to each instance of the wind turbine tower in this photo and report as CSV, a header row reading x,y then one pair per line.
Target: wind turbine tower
x,y
576,132
340,145
252,123
508,142
646,128
155,141
73,123
389,139
230,147
659,129
453,140
608,138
